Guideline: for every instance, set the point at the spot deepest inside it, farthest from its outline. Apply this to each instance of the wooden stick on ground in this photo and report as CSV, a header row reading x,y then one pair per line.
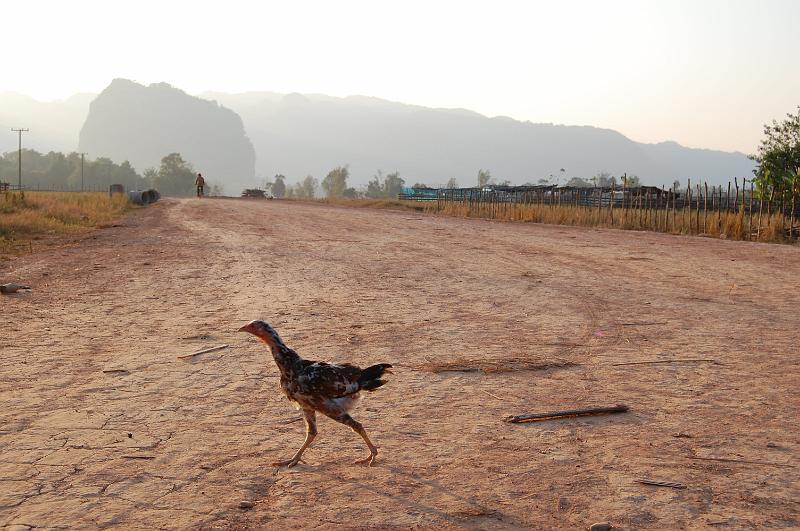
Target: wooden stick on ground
x,y
663,361
204,351
661,483
490,394
568,413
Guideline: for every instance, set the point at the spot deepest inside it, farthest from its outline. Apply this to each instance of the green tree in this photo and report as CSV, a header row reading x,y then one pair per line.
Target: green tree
x,y
309,186
632,181
374,187
278,188
335,183
393,185
175,176
577,182
484,177
604,180
151,175
452,183
306,189
778,156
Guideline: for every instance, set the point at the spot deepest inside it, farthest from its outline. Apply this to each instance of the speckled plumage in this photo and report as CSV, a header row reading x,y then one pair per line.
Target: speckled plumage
x,y
329,388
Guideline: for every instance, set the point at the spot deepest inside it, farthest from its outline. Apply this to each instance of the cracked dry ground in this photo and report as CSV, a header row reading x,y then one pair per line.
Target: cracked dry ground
x,y
101,424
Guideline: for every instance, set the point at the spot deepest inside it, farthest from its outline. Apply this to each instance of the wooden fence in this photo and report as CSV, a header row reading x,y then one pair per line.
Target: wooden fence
x,y
737,211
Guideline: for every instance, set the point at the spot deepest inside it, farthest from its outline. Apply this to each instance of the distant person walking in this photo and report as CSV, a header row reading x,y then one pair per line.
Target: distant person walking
x,y
200,183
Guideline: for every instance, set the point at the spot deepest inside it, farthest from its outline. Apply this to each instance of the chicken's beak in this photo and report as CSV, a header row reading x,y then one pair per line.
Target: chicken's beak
x,y
243,329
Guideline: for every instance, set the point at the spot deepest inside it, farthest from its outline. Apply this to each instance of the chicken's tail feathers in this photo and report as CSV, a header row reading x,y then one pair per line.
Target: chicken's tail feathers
x,y
369,380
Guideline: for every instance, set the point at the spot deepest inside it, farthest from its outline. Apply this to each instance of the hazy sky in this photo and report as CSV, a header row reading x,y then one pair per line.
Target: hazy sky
x,y
703,73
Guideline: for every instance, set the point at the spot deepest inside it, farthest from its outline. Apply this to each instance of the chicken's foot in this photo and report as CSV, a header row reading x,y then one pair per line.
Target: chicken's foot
x,y
311,432
359,429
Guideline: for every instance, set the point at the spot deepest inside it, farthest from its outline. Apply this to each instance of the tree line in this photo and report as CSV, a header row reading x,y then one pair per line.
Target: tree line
x,y
59,171
335,185
55,170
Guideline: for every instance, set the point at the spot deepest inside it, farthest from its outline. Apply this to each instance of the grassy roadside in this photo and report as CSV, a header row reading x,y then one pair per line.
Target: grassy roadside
x,y
29,216
764,227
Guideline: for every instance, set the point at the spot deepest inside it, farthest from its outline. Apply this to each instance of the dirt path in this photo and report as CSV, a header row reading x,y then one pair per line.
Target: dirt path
x,y
101,424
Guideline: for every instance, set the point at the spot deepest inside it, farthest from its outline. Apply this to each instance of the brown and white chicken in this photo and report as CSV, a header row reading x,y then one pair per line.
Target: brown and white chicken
x,y
331,389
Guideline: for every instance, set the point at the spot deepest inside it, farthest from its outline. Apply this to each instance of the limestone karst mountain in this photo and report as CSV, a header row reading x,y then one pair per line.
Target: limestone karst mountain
x,y
129,121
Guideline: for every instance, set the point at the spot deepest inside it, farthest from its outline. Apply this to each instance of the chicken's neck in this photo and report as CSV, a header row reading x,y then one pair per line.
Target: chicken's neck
x,y
285,358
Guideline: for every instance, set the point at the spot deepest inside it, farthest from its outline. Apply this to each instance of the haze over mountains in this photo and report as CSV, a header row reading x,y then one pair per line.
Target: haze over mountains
x,y
54,125
129,121
255,135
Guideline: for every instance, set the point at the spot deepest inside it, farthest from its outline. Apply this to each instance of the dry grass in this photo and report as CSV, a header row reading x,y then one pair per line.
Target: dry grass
x,y
730,225
32,215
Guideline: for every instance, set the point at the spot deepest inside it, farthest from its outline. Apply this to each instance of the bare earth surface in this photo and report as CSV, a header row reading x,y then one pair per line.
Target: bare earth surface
x,y
101,424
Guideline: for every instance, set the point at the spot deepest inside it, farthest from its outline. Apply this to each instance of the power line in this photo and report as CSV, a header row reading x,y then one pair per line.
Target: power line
x,y
19,157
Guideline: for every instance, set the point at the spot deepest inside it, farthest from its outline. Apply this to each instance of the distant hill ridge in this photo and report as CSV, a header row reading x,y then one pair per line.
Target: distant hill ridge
x,y
297,135
235,137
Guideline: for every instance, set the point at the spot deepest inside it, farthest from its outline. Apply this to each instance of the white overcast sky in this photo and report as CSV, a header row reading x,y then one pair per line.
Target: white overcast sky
x,y
703,73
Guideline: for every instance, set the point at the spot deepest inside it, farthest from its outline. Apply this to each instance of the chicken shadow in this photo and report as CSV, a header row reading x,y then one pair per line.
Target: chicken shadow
x,y
481,510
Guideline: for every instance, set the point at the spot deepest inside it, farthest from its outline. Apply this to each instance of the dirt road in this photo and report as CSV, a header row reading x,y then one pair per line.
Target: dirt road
x,y
101,424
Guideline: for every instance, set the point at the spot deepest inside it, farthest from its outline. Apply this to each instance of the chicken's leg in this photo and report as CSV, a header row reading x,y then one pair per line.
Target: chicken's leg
x,y
359,429
311,432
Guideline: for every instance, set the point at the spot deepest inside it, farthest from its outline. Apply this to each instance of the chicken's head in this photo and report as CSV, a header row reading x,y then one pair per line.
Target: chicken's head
x,y
263,331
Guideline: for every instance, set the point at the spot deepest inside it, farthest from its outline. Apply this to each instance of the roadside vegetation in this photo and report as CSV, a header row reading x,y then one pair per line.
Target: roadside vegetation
x,y
29,216
738,225
55,171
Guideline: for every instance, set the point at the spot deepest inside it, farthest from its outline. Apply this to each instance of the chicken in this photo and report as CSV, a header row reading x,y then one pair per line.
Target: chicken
x,y
331,389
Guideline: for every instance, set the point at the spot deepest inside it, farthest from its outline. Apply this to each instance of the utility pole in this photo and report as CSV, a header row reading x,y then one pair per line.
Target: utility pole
x,y
20,131
82,155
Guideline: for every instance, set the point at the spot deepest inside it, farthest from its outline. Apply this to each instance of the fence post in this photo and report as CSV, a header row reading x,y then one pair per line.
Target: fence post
x,y
611,202
739,209
794,203
687,198
760,213
624,206
769,205
674,198
750,214
642,208
728,198
697,210
599,203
